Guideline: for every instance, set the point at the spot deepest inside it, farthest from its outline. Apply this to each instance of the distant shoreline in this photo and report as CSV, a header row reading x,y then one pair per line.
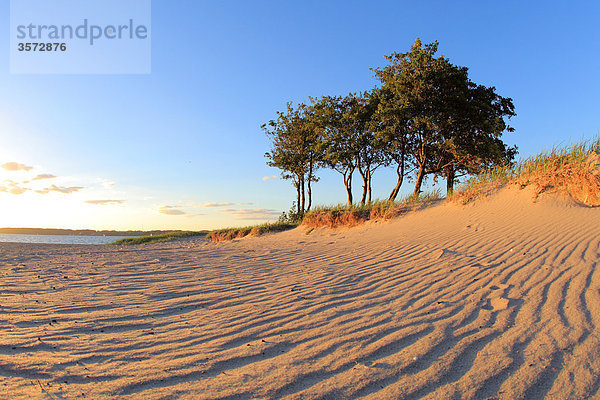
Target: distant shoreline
x,y
76,232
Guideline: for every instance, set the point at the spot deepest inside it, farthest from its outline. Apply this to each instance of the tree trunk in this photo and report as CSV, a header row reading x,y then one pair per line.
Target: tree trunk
x,y
420,177
298,197
302,194
348,185
365,178
309,196
422,160
400,173
370,188
451,176
310,177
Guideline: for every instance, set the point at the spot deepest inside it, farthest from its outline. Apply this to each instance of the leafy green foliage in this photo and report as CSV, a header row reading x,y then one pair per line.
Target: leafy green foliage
x,y
445,122
295,146
290,217
338,144
427,117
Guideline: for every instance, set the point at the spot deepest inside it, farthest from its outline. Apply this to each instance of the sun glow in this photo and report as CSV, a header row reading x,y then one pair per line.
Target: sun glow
x,y
30,196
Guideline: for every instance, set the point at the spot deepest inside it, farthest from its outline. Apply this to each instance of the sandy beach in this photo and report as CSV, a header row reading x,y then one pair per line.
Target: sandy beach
x,y
499,299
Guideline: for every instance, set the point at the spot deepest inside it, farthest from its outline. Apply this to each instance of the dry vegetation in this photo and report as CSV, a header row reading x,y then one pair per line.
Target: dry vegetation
x,y
348,216
333,217
164,237
572,170
222,235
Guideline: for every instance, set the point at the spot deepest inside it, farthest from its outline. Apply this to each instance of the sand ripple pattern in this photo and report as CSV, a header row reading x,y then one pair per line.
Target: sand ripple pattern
x,y
500,300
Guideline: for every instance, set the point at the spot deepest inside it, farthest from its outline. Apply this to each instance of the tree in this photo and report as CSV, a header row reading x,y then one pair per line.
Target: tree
x,y
443,121
314,157
349,142
412,81
294,150
369,146
427,116
393,131
338,144
471,133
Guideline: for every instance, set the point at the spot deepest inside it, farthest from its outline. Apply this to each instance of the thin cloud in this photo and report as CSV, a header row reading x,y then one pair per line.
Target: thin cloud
x,y
228,204
104,202
43,176
13,189
170,210
266,178
65,190
253,214
18,190
107,184
217,204
60,189
14,166
194,215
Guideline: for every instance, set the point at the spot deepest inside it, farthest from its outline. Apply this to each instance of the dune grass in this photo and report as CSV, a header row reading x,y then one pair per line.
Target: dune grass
x,y
344,215
222,235
572,170
331,216
165,237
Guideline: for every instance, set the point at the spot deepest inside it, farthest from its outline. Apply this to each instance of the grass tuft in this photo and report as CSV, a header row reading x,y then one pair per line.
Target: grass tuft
x,y
572,170
343,215
222,235
165,237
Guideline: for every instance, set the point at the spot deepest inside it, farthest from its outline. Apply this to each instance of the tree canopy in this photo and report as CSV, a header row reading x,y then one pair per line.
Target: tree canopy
x,y
426,119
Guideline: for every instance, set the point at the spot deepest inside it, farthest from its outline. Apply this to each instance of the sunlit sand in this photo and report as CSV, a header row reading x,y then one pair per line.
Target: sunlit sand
x,y
496,299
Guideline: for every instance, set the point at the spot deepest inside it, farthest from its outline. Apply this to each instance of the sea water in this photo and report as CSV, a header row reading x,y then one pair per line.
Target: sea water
x,y
59,239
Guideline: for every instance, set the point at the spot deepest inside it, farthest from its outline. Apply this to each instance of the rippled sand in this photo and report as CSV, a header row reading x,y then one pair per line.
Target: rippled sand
x,y
496,300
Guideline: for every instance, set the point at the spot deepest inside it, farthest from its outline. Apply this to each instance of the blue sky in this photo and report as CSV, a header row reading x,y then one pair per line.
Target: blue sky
x,y
182,148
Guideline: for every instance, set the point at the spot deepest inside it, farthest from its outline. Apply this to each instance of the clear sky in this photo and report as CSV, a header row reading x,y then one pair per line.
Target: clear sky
x,y
182,148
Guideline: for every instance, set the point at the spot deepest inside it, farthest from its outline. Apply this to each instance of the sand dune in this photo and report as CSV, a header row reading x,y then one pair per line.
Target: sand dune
x,y
499,299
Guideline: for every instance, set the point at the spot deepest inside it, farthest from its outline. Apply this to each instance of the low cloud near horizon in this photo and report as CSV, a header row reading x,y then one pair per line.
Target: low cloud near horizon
x,y
253,214
229,204
15,166
13,189
43,176
60,189
171,210
106,184
211,205
104,202
267,178
193,215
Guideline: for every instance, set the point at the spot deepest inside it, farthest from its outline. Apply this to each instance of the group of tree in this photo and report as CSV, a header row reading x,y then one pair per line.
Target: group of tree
x,y
427,118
